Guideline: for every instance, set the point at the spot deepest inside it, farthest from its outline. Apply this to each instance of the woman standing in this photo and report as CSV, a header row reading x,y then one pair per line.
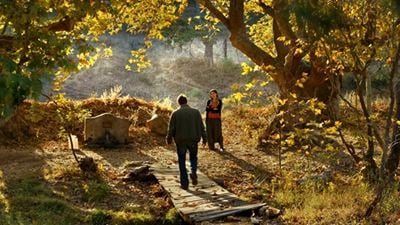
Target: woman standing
x,y
213,121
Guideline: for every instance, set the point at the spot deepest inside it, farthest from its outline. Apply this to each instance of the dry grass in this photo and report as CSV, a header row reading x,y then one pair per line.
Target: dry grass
x,y
246,124
333,204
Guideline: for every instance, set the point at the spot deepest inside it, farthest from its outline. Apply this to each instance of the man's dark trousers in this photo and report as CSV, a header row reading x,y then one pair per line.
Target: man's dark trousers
x,y
182,148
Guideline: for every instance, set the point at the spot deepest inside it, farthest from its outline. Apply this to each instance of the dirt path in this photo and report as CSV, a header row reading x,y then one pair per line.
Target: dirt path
x,y
239,169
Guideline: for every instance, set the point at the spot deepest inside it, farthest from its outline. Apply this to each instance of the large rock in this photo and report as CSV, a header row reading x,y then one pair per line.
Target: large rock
x,y
106,129
142,115
158,124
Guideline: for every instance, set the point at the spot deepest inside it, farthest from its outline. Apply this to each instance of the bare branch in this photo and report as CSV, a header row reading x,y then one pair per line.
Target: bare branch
x,y
349,147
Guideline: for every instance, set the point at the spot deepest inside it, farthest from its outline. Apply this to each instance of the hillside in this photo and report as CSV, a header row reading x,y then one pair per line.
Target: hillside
x,y
173,71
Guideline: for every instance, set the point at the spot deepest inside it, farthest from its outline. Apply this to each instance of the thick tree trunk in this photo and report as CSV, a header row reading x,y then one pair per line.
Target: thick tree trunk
x,y
322,86
290,62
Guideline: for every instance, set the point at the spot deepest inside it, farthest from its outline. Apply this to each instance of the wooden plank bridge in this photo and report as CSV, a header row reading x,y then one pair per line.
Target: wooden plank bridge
x,y
205,201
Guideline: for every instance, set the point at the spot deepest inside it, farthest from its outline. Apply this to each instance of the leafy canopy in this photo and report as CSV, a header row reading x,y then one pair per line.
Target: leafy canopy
x,y
43,39
308,41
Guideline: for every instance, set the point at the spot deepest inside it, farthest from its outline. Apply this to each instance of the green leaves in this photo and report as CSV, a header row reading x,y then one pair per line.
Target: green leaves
x,y
15,87
320,17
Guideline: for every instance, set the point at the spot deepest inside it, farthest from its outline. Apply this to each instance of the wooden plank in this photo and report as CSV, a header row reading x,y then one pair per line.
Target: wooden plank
x,y
206,198
184,193
230,211
186,211
201,205
205,201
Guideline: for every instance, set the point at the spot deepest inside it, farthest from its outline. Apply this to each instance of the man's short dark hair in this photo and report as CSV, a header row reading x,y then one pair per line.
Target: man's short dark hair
x,y
182,99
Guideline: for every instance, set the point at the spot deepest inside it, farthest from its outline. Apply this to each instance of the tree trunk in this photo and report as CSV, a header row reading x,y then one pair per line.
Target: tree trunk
x,y
324,87
390,111
371,168
225,48
208,52
392,162
368,92
288,65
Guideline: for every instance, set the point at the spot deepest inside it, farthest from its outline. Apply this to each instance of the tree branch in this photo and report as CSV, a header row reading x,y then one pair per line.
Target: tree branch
x,y
266,8
207,4
281,49
239,38
282,19
349,147
236,16
64,24
6,42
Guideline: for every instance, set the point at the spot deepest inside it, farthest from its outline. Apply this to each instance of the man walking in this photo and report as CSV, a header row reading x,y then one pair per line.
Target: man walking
x,y
186,128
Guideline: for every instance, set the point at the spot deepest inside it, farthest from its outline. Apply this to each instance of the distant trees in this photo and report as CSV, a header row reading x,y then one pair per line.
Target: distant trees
x,y
196,24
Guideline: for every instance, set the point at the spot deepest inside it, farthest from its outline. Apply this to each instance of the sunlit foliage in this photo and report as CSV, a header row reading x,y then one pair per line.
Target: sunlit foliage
x,y
43,39
316,41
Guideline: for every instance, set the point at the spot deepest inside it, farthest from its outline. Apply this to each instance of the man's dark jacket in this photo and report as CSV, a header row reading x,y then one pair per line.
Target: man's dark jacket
x,y
186,126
